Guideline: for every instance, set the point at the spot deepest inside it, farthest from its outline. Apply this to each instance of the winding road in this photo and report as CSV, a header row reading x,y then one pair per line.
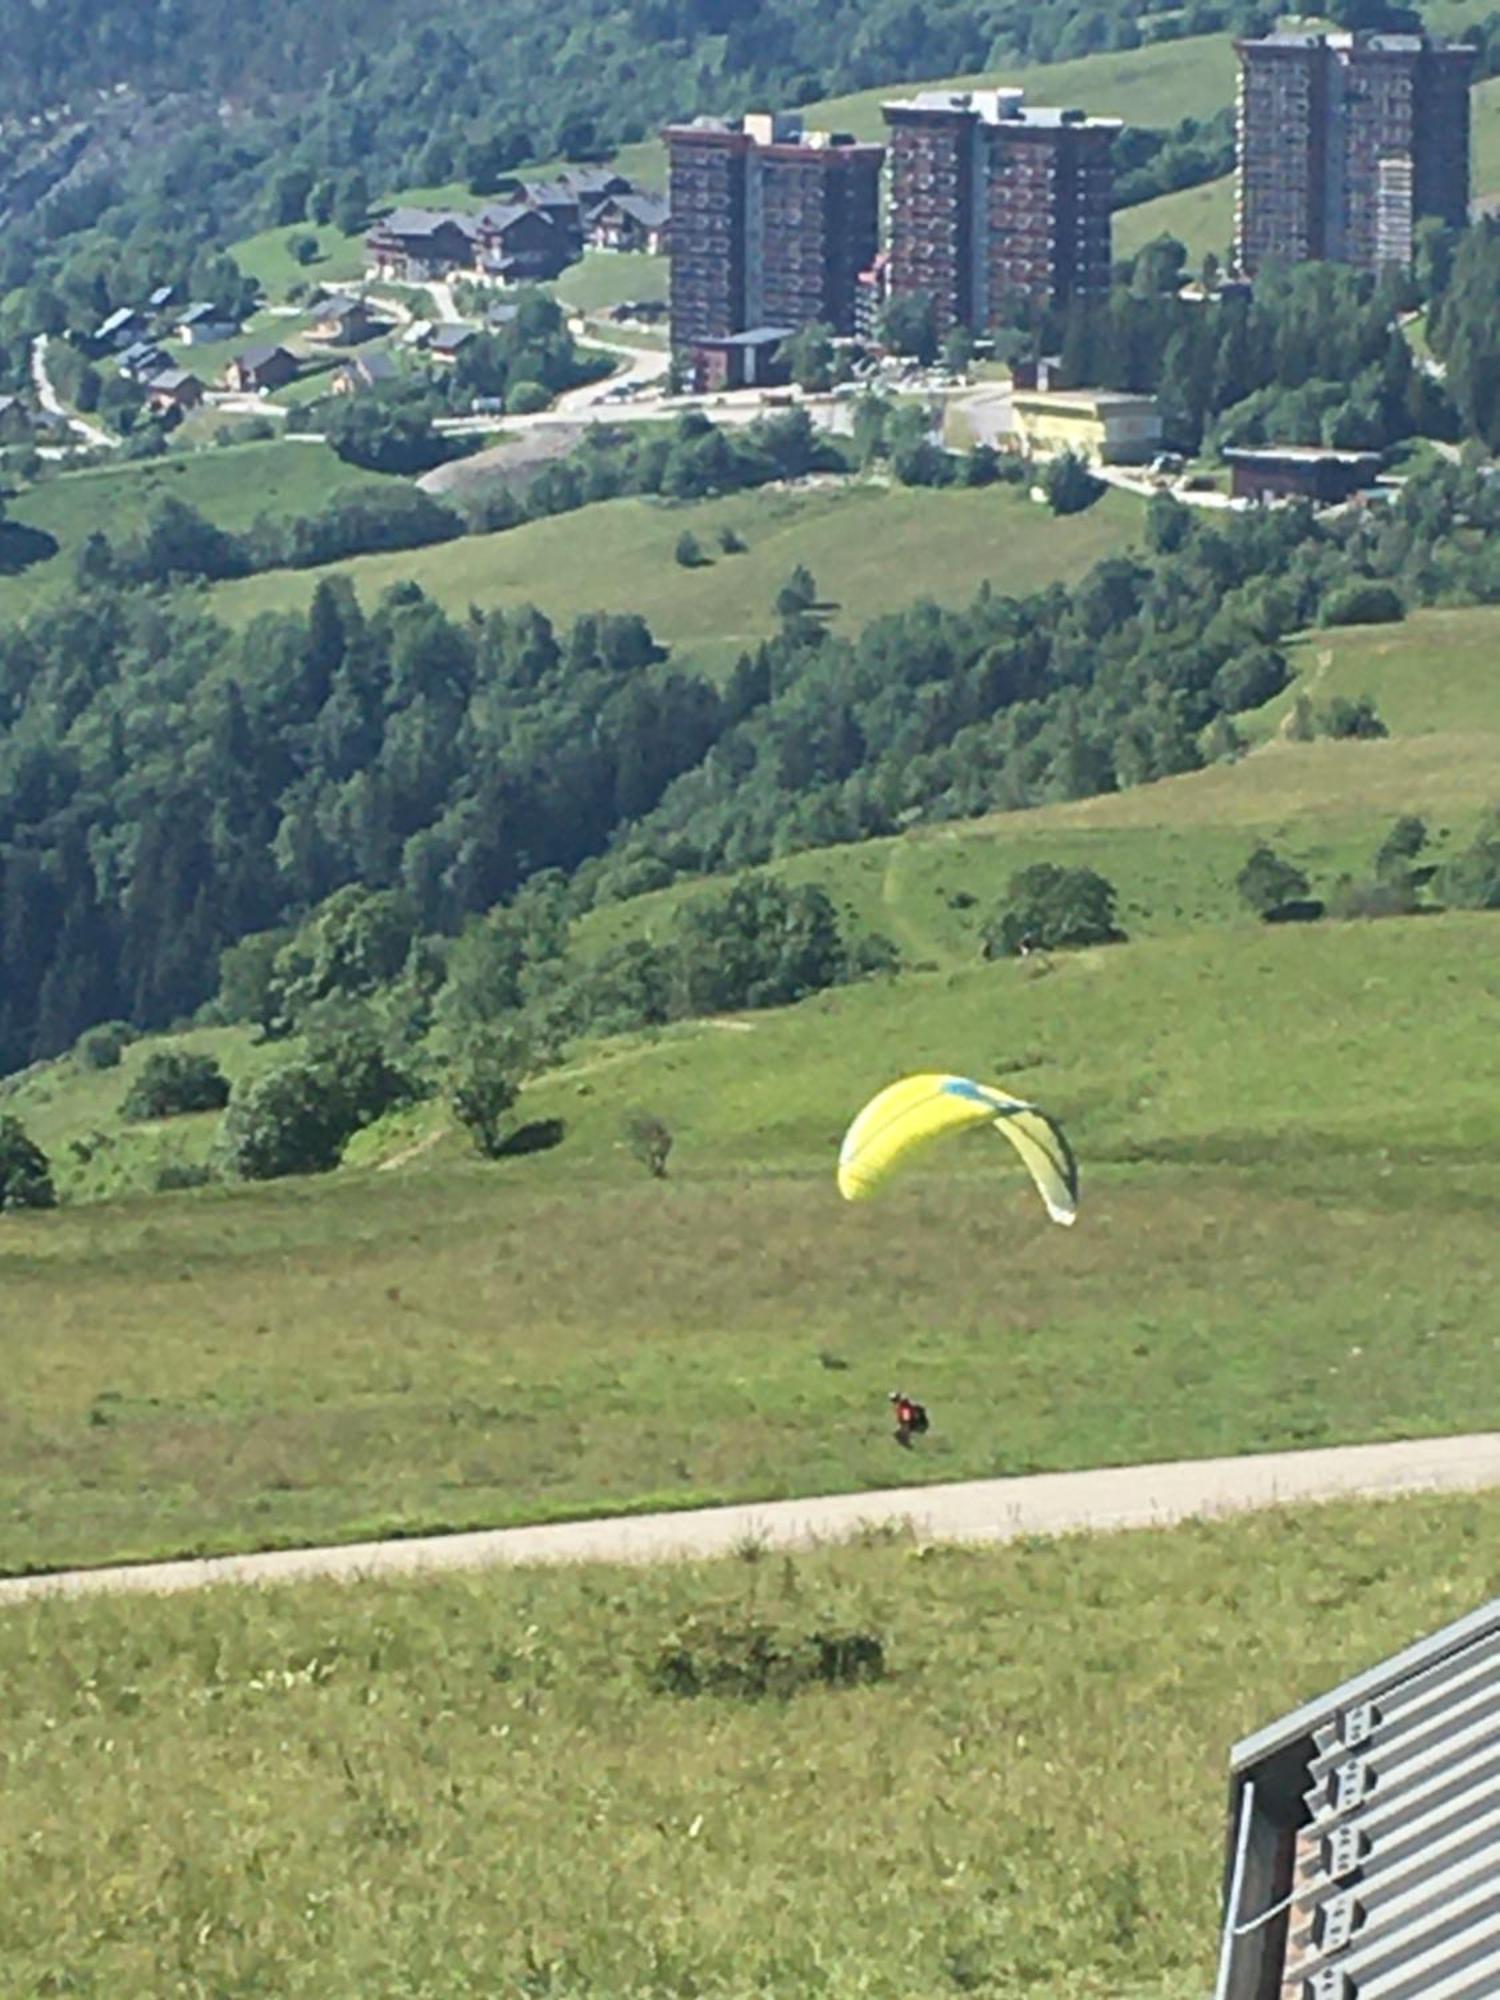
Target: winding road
x,y
981,1510
51,402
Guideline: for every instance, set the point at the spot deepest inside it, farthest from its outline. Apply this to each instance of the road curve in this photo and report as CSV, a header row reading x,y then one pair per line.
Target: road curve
x,y
979,1510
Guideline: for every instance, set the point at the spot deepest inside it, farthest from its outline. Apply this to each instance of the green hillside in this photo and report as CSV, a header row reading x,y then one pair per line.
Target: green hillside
x,y
1305,1112
871,548
230,484
1439,671
469,1786
1201,218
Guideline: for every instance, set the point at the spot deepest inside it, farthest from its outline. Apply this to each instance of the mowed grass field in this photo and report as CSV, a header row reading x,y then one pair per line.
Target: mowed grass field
x,y
1436,671
231,484
872,548
1201,218
611,277
470,1786
1291,1152
1291,1148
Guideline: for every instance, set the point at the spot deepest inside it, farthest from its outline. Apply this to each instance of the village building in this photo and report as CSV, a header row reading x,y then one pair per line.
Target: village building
x,y
202,325
412,245
174,392
365,371
1100,426
1300,472
259,368
631,222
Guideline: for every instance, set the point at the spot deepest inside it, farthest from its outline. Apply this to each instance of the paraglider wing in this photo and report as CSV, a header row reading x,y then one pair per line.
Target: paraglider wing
x,y
908,1115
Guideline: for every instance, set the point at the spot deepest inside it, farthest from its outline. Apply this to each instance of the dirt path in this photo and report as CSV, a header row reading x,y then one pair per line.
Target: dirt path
x,y
983,1510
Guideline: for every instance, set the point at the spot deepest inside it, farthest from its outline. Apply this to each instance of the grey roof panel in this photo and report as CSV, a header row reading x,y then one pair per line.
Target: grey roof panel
x,y
1395,1882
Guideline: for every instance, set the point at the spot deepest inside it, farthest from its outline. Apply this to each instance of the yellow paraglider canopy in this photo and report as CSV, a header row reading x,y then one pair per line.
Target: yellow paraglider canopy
x,y
909,1114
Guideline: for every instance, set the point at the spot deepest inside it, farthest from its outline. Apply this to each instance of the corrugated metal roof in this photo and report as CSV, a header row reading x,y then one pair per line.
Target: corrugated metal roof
x,y
1391,1860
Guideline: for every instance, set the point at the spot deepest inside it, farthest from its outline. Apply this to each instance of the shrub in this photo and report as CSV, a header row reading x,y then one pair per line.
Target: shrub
x,y
1363,604
731,541
25,1171
1069,485
525,398
1353,899
689,551
1471,881
173,1084
754,1659
650,1140
1357,719
1270,885
102,1047
293,1121
485,1087
1047,906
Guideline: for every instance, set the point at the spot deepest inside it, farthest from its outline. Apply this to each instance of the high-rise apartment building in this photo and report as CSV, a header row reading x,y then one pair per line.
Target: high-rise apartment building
x,y
1346,141
992,200
771,225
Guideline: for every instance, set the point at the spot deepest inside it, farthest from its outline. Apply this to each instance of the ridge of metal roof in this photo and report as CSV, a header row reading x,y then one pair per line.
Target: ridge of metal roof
x,y
1303,1721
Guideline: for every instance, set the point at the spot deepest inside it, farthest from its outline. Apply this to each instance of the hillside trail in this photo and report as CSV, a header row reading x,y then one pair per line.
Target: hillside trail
x,y
980,1510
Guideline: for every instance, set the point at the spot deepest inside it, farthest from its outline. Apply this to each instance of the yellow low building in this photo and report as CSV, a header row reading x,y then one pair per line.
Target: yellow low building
x,y
1104,426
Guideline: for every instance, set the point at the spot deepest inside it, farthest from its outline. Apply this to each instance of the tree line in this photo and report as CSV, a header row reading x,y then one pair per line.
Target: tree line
x,y
168,787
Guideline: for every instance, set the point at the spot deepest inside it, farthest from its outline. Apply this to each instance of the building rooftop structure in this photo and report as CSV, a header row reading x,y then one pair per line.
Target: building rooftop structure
x,y
1363,1846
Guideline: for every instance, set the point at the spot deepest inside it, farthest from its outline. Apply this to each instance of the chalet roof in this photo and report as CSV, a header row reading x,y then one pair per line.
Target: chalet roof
x,y
258,355
651,211
423,222
449,339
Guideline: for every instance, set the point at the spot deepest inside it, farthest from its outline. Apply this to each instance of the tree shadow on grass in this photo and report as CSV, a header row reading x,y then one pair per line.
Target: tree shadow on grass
x,y
22,547
540,1136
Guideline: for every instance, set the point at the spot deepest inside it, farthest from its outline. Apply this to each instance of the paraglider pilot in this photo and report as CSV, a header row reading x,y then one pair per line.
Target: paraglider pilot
x,y
911,1418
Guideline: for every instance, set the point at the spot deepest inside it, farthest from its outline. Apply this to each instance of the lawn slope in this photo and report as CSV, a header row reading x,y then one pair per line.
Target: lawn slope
x,y
230,484
872,548
470,1787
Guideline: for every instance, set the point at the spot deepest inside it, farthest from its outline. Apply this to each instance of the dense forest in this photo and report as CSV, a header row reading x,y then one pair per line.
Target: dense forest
x,y
168,787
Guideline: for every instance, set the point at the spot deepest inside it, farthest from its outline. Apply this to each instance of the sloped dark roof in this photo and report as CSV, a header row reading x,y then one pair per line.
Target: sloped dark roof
x,y
259,355
422,222
651,211
1364,1851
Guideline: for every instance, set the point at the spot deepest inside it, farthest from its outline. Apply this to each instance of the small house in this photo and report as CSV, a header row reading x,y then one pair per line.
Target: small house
x,y
174,389
16,425
343,318
740,360
143,359
448,342
523,245
161,298
365,371
1100,426
630,222
412,245
559,203
123,326
1300,472
257,369
201,325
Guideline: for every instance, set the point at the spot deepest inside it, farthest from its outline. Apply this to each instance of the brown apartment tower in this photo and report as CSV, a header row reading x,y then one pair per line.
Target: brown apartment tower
x,y
1346,142
771,225
992,200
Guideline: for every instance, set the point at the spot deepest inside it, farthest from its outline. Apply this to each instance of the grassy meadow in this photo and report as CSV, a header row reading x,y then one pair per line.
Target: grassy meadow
x,y
1201,218
868,545
231,484
1290,1156
603,278
471,1786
